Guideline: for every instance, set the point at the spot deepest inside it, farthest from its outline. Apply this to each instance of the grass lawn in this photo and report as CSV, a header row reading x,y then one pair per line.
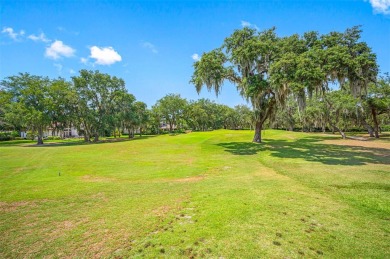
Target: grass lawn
x,y
212,194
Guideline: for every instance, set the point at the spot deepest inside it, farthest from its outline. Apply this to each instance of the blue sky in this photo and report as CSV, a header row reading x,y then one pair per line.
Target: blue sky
x,y
151,44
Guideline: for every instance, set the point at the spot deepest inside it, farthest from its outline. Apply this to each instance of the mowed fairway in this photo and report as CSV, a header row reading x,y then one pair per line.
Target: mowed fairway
x,y
212,194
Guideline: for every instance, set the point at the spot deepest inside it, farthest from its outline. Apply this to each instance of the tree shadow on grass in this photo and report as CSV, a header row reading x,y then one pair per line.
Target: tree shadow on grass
x,y
24,143
311,149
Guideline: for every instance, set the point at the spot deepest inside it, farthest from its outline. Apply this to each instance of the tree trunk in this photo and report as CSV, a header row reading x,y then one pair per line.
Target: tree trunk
x,y
368,127
40,137
170,126
376,124
339,130
96,137
257,137
129,131
87,133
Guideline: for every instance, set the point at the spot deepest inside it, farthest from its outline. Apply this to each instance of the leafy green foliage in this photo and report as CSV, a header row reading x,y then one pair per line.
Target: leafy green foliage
x,y
98,98
267,68
171,108
29,102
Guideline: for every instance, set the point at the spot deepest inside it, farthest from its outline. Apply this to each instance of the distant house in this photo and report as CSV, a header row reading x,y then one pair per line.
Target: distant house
x,y
136,131
165,126
70,132
65,133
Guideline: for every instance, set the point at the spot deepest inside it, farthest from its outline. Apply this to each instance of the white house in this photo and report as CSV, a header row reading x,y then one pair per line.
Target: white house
x,y
66,133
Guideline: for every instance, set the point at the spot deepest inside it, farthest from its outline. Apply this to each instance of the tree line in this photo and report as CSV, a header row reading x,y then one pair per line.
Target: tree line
x,y
314,80
98,104
341,111
310,82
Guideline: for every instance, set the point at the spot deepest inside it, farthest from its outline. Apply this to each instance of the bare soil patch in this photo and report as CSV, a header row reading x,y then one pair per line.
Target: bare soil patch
x,y
13,206
96,179
189,179
358,143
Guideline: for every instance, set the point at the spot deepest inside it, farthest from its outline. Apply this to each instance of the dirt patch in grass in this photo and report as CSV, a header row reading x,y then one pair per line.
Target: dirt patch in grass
x,y
190,161
96,179
189,179
13,206
357,143
162,211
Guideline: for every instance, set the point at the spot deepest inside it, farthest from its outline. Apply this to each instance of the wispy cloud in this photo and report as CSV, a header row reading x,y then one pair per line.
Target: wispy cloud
x,y
58,49
58,67
248,24
41,37
63,29
380,6
71,71
195,57
150,46
84,60
103,56
13,34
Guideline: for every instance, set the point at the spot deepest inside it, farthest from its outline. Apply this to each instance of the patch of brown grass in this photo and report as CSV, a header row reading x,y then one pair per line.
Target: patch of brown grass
x,y
162,211
13,206
189,179
358,143
96,179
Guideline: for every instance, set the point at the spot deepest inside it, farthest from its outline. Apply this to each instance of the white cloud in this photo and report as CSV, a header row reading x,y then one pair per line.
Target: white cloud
x,y
150,46
248,24
104,55
63,29
12,34
58,49
245,24
381,6
84,60
71,71
195,57
41,37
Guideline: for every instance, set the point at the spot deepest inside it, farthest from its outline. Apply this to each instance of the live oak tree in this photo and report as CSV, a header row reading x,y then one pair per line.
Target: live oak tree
x,y
267,69
197,116
244,59
62,106
29,102
141,116
377,102
171,108
98,95
204,114
126,113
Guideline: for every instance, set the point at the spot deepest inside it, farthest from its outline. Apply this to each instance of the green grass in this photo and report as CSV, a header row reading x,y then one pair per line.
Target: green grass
x,y
212,194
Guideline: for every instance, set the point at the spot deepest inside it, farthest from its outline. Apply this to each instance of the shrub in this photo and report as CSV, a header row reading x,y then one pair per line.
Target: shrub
x,y
30,135
53,138
385,127
15,134
5,138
